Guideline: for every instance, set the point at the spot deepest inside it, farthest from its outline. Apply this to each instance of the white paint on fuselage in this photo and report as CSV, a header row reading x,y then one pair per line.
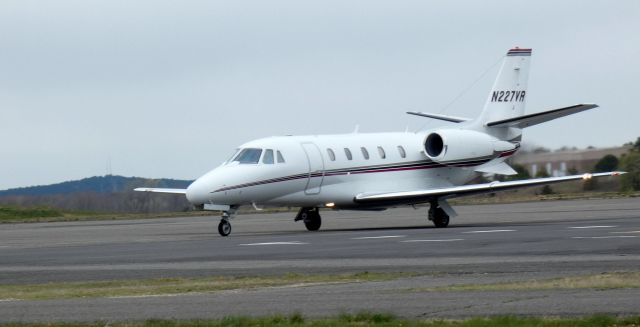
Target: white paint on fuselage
x,y
339,189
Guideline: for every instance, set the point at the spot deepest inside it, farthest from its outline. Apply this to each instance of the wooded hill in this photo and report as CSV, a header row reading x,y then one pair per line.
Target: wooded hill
x,y
110,193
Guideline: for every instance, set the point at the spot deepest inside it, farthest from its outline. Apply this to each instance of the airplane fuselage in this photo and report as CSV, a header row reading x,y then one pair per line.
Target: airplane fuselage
x,y
328,169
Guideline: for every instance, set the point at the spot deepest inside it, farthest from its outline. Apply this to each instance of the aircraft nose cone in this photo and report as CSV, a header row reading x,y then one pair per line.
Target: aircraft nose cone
x,y
196,192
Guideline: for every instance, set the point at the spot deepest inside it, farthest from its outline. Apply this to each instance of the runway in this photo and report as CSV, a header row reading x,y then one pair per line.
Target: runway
x,y
485,244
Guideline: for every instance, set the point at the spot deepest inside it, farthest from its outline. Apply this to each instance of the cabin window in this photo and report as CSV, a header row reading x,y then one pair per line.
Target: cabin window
x,y
268,157
365,153
381,152
403,154
347,153
280,157
248,156
332,155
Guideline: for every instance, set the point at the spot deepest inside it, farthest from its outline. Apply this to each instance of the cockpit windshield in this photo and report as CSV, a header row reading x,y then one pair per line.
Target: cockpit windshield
x,y
247,156
235,153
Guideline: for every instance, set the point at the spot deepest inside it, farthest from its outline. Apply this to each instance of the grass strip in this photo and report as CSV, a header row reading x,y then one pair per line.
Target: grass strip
x,y
13,215
361,319
19,213
604,281
169,286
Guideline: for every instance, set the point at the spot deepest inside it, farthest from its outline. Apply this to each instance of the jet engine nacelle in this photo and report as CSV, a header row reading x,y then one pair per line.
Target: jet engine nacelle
x,y
448,145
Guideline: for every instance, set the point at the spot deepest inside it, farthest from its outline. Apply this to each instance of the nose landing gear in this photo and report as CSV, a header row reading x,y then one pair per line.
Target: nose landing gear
x,y
224,227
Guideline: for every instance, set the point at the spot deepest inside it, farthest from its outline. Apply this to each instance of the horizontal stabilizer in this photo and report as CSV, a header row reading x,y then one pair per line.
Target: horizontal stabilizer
x,y
540,117
501,168
162,190
439,117
420,196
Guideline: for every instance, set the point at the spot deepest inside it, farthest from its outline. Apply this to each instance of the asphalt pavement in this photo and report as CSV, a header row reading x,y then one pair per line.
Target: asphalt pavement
x,y
485,244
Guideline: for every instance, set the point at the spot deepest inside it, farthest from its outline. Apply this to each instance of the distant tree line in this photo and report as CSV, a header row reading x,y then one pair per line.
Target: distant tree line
x,y
121,202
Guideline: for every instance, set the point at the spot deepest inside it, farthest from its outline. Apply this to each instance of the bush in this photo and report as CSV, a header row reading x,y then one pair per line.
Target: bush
x,y
606,164
630,163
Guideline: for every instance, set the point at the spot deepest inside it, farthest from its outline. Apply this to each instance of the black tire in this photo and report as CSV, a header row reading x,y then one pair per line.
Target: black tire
x,y
312,221
440,219
224,228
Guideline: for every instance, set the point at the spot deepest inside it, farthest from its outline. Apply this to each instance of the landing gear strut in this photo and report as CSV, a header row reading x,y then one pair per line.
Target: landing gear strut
x,y
224,227
438,215
310,217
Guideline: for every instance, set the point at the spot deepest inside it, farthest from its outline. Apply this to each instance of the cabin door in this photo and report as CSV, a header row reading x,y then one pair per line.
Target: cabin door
x,y
316,168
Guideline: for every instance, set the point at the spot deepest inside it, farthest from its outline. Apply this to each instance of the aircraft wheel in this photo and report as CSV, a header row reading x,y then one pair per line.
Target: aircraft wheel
x,y
312,220
440,219
224,228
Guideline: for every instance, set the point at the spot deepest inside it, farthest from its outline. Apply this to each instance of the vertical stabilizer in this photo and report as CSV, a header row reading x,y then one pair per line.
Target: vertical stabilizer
x,y
509,93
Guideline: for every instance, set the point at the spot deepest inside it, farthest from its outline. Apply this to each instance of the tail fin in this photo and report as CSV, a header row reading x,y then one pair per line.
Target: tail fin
x,y
508,95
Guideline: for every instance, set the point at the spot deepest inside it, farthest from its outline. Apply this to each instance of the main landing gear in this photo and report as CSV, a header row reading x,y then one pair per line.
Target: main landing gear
x,y
310,217
438,216
224,227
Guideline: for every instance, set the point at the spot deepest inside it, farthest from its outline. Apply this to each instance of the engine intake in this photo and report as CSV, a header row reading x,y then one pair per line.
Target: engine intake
x,y
434,145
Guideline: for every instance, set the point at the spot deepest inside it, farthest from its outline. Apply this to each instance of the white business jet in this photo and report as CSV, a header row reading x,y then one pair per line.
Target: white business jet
x,y
376,171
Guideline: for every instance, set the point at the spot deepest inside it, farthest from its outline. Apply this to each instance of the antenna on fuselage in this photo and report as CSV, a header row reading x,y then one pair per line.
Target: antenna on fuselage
x,y
355,130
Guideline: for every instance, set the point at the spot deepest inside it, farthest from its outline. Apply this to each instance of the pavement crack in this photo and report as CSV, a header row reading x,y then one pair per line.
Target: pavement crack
x,y
526,298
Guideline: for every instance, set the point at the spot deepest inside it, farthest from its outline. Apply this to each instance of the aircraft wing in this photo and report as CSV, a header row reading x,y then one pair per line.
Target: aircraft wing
x,y
541,117
162,190
419,196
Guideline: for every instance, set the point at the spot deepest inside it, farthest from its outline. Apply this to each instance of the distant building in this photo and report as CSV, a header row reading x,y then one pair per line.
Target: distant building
x,y
560,162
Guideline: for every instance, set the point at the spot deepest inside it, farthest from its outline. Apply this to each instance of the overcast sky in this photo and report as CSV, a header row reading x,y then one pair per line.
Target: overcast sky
x,y
171,88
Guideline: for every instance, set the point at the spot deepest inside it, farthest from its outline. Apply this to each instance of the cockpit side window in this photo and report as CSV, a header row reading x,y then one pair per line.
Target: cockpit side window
x,y
248,156
280,157
268,157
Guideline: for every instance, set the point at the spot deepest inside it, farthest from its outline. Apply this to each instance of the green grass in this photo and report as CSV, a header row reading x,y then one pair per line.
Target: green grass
x,y
605,281
16,213
361,319
167,286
